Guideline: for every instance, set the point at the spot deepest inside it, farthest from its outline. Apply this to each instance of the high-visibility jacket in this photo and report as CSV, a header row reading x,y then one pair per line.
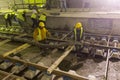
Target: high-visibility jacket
x,y
40,34
78,33
7,15
20,16
42,17
34,16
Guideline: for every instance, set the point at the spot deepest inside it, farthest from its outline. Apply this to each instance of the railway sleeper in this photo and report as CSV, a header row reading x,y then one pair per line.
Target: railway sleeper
x,y
85,50
18,68
100,52
115,54
5,65
31,72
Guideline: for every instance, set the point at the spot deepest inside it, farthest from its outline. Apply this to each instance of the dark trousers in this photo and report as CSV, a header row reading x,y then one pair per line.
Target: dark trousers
x,y
63,5
35,24
8,22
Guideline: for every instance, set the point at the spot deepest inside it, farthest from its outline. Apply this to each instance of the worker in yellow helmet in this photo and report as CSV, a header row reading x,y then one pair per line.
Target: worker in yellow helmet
x,y
78,35
40,33
78,31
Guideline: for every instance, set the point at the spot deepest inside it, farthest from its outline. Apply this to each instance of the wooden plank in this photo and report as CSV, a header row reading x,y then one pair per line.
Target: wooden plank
x,y
4,41
44,68
57,62
16,50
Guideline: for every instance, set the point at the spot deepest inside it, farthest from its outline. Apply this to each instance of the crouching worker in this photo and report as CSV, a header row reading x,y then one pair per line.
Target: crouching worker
x,y
78,35
40,35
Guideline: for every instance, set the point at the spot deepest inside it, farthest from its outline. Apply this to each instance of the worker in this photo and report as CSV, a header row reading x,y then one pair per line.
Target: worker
x,y
8,19
63,5
78,35
43,18
40,34
78,31
48,4
34,19
13,16
21,17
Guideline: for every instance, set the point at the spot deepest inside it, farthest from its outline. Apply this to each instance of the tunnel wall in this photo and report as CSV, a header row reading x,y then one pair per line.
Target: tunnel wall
x,y
95,25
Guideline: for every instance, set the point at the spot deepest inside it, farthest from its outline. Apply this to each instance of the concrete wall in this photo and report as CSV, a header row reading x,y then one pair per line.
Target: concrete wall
x,y
111,4
95,25
103,26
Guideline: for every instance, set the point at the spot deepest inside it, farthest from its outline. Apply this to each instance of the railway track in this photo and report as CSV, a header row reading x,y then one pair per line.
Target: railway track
x,y
7,62
21,58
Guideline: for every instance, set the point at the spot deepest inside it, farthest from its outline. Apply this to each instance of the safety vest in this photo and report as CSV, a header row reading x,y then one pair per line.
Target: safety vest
x,y
20,16
75,32
39,37
42,17
33,16
44,33
40,34
6,15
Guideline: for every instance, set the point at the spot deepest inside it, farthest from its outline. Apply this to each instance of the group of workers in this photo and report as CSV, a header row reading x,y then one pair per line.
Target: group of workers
x,y
8,18
40,33
36,19
39,25
21,18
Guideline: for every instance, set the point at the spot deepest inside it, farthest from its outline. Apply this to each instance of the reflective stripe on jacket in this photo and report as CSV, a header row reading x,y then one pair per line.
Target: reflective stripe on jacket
x,y
75,32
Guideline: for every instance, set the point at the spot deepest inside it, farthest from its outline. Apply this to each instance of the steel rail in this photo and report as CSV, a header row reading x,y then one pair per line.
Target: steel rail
x,y
44,68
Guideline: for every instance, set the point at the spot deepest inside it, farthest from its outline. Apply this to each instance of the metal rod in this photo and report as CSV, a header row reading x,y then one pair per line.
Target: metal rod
x,y
107,61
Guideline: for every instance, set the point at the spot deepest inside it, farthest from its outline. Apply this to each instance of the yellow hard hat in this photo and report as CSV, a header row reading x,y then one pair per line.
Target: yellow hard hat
x,y
78,25
41,24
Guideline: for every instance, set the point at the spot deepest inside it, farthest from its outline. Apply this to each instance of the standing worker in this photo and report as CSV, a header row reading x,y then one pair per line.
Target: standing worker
x,y
43,18
48,4
8,19
34,19
63,5
40,34
21,17
78,35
